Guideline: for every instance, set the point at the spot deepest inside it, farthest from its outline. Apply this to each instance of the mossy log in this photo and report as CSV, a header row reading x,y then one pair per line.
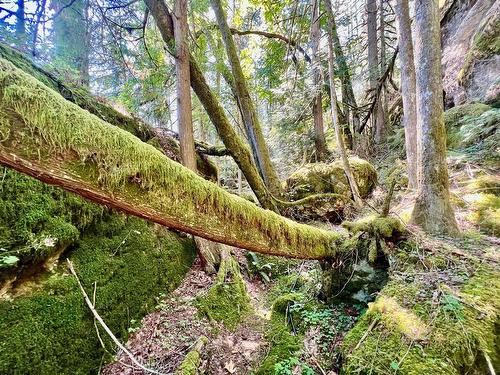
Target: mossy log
x,y
99,107
55,141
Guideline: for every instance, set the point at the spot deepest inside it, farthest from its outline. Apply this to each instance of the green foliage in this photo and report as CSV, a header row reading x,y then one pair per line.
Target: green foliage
x,y
51,330
289,366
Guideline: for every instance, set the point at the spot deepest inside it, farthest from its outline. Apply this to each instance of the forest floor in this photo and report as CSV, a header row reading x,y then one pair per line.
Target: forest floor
x,y
431,269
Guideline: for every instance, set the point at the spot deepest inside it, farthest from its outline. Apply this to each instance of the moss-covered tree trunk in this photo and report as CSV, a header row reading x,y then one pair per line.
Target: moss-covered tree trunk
x,y
432,211
335,117
55,141
408,88
233,142
246,105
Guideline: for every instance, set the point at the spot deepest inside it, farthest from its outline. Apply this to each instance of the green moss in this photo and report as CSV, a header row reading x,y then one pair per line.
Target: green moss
x,y
227,300
454,115
283,344
455,343
191,362
486,212
330,178
37,221
380,227
44,123
51,330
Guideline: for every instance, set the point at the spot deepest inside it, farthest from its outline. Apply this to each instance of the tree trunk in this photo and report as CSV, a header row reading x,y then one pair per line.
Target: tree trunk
x,y
383,63
234,143
432,210
317,105
350,106
57,142
20,22
184,106
408,88
247,106
373,64
208,251
335,117
71,37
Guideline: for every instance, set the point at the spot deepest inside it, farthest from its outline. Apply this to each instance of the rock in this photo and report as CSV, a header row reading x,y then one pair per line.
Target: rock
x,y
321,178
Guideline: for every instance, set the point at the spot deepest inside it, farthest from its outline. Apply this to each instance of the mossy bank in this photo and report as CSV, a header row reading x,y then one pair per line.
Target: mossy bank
x,y
45,326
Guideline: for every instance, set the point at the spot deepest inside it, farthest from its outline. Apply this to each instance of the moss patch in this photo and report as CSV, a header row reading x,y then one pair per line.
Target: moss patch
x,y
227,300
330,178
51,331
459,318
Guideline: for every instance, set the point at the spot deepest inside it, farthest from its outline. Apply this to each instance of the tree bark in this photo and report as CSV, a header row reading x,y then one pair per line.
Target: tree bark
x,y
53,140
317,105
184,106
383,63
408,88
20,22
373,65
233,142
247,107
432,210
335,116
351,113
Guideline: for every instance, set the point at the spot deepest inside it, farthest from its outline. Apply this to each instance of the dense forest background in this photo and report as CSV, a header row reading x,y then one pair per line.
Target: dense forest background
x,y
337,209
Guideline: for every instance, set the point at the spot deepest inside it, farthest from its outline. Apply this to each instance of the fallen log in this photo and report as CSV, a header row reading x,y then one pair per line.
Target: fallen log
x,y
57,142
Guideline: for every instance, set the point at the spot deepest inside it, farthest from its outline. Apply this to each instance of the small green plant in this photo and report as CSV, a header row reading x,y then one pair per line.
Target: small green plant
x,y
287,367
452,305
260,268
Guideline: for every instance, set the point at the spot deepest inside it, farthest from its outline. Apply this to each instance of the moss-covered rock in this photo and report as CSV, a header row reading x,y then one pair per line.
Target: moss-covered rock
x,y
322,191
45,327
49,329
37,222
473,132
330,178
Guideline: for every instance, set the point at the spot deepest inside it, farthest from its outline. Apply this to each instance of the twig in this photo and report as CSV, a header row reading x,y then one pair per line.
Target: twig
x,y
106,328
365,335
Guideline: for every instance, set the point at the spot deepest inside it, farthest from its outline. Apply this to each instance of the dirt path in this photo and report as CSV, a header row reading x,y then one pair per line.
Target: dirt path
x,y
167,334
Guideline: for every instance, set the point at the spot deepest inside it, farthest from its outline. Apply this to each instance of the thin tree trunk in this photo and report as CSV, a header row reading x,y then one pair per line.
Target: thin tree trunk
x,y
408,88
36,27
208,251
383,62
317,106
335,117
234,143
184,106
20,22
247,106
432,210
351,113
55,141
373,63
